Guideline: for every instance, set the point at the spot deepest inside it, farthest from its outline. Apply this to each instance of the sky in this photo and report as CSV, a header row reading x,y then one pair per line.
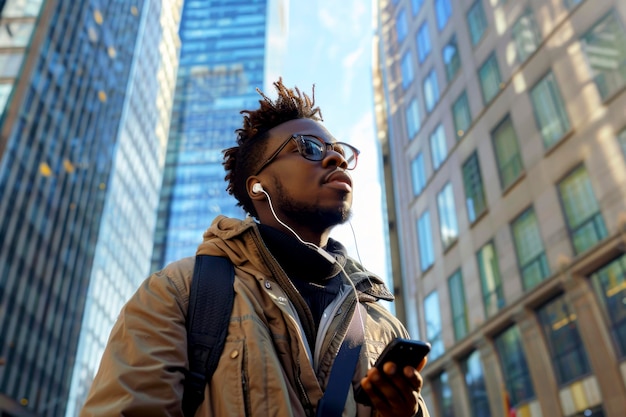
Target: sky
x,y
330,45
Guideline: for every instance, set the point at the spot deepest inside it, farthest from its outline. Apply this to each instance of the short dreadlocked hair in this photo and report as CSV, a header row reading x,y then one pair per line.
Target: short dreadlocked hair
x,y
241,161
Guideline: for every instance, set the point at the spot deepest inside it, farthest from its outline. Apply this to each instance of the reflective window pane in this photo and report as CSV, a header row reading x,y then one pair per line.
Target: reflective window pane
x,y
605,48
609,284
514,366
582,212
549,110
559,325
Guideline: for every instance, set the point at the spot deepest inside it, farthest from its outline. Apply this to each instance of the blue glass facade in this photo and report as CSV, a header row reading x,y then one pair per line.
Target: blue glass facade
x,y
124,246
222,62
60,130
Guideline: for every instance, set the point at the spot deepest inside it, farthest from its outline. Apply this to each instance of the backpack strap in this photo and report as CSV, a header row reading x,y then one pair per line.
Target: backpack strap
x,y
340,380
210,307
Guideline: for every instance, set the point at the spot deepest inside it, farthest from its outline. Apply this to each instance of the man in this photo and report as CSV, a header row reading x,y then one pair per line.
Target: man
x,y
295,290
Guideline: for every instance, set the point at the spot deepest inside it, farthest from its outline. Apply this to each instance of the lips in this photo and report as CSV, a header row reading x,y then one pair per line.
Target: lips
x,y
339,179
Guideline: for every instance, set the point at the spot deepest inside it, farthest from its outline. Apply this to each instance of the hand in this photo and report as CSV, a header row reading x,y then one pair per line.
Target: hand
x,y
394,392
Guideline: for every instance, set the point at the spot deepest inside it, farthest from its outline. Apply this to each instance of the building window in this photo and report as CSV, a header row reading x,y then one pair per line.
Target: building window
x,y
402,27
506,149
529,249
407,70
417,6
423,42
526,35
489,75
621,138
605,48
443,10
461,115
549,110
413,119
451,58
568,354
514,366
431,91
432,315
609,284
438,149
458,305
475,383
418,174
425,240
443,395
476,21
582,213
474,191
490,279
447,216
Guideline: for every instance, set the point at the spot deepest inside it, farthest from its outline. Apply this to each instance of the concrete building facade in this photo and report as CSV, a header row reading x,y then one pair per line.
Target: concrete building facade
x,y
503,126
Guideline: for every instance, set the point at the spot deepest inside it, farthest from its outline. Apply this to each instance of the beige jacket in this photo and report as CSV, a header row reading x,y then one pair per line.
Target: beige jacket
x,y
266,368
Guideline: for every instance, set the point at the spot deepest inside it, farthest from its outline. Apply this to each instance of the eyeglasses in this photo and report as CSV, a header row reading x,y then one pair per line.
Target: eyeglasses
x,y
315,149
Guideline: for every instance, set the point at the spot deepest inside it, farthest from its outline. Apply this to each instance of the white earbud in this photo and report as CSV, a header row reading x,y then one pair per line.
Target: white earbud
x,y
257,188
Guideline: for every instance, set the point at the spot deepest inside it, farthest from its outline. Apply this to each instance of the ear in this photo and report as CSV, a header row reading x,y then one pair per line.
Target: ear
x,y
250,182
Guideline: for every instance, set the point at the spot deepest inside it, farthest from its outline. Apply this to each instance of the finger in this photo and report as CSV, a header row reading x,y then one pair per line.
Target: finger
x,y
422,364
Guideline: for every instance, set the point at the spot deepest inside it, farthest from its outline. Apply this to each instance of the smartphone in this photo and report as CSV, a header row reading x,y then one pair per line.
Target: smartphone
x,y
402,352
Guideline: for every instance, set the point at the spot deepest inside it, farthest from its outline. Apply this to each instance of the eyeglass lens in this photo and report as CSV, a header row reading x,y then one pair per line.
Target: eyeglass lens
x,y
314,149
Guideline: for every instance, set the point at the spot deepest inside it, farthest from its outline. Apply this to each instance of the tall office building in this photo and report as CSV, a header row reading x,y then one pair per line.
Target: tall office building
x,y
504,130
80,166
124,246
223,60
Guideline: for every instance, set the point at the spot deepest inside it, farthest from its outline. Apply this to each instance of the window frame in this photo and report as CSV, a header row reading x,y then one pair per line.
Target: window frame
x,y
515,160
538,259
438,146
490,92
430,88
447,215
428,253
487,292
476,19
607,91
518,31
452,66
557,102
467,113
458,307
423,41
406,67
419,181
474,215
564,370
596,219
443,6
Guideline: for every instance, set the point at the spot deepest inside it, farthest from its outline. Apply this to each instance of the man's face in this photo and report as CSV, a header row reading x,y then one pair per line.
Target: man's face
x,y
317,194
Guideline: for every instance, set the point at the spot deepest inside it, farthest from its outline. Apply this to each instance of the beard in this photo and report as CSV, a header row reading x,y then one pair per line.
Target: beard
x,y
316,217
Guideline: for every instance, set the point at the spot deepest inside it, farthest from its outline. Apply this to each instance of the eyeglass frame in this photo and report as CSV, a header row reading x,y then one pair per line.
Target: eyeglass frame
x,y
327,146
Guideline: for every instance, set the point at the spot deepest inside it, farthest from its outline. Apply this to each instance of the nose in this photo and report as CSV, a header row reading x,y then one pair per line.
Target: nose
x,y
334,158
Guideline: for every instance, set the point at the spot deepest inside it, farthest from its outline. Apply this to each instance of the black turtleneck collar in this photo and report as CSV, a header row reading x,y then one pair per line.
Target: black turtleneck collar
x,y
300,261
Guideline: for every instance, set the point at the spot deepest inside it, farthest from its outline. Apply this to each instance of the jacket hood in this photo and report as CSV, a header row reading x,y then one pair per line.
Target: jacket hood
x,y
239,240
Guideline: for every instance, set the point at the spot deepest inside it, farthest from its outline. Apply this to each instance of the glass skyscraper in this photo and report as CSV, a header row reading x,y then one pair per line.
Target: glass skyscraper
x,y
223,55
124,245
82,138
